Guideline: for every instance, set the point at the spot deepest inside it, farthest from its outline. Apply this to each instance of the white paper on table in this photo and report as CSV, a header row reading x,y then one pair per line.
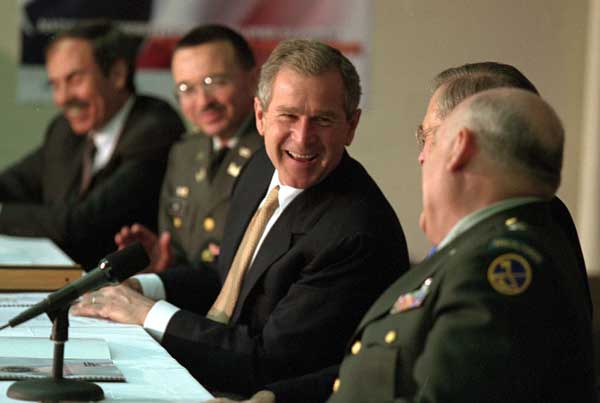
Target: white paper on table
x,y
23,251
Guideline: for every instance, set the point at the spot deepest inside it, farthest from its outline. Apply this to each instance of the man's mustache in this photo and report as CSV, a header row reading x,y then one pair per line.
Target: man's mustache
x,y
212,106
75,103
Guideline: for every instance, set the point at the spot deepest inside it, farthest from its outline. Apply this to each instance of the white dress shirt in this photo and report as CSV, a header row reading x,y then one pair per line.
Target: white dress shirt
x,y
161,312
106,138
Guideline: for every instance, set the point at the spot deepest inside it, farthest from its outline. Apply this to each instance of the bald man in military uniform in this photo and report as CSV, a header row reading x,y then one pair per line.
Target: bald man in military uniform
x,y
215,79
496,314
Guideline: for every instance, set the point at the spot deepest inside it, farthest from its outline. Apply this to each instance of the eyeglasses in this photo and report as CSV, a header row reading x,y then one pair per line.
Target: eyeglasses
x,y
209,85
421,134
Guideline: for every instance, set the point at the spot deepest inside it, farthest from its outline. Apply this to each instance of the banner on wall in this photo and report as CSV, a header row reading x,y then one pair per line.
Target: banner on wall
x,y
158,24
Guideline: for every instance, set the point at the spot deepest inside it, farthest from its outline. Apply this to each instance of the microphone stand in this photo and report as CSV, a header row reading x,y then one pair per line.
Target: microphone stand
x,y
57,387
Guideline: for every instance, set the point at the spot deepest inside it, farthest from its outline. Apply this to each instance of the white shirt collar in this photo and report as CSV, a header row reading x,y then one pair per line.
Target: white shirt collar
x,y
232,142
218,144
286,193
106,138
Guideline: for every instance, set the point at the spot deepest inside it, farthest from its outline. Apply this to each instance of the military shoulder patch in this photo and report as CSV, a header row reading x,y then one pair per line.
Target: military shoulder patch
x,y
510,274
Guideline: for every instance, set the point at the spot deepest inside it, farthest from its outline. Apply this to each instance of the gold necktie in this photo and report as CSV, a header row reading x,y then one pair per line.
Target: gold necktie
x,y
222,308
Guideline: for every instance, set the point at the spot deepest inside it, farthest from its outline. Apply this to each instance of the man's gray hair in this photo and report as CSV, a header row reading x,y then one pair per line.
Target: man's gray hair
x,y
310,58
463,81
527,138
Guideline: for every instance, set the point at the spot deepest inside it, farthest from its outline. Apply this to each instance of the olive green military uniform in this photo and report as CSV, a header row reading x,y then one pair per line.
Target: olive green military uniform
x,y
496,315
195,197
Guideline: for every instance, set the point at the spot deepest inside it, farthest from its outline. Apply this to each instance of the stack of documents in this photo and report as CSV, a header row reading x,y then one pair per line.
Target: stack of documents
x,y
31,358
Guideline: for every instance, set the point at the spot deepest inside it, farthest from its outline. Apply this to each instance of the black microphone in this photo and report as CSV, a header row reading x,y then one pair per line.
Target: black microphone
x,y
113,269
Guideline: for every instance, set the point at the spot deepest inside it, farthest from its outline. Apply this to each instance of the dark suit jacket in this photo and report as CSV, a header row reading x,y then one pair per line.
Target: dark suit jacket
x,y
193,208
464,340
40,194
330,253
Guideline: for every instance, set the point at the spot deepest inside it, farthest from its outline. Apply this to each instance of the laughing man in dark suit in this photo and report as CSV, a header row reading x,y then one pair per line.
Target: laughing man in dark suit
x,y
332,244
64,191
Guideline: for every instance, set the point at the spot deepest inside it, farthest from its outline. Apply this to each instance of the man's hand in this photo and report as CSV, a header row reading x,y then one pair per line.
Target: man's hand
x,y
117,303
157,248
264,396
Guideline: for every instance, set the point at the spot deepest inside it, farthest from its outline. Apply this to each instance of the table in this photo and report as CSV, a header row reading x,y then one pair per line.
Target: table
x,y
153,376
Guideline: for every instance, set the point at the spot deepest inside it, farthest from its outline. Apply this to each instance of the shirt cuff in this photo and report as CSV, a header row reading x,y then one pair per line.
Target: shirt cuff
x,y
152,286
158,318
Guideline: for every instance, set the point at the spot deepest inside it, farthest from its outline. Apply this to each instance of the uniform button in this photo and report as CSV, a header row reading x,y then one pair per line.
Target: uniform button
x,y
200,175
177,222
182,191
356,347
207,256
336,385
209,224
390,337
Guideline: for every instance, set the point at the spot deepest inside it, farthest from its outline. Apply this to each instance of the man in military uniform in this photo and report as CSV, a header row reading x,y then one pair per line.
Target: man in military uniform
x,y
215,80
495,315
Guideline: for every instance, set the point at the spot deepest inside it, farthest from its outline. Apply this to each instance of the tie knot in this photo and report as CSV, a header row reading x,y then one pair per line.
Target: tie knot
x,y
272,200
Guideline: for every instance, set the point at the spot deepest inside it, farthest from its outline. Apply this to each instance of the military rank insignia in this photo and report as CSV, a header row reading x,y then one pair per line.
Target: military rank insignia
x,y
509,274
234,169
412,299
245,152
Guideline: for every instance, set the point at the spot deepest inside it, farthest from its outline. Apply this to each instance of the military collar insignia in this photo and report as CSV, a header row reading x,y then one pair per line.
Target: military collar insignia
x,y
234,169
245,152
412,299
514,224
200,175
509,274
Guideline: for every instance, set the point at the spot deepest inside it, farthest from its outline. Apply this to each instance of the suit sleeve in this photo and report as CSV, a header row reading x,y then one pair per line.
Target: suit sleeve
x,y
124,197
302,333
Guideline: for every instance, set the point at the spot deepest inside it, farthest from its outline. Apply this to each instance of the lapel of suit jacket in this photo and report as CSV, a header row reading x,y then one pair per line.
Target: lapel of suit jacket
x,y
299,216
247,195
69,171
232,165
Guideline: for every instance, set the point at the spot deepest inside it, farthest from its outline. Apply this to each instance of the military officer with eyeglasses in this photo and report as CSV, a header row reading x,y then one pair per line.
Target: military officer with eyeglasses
x,y
215,79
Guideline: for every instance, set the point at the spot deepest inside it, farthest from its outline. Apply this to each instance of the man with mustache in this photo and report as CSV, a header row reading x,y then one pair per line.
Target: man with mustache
x,y
215,79
103,157
310,241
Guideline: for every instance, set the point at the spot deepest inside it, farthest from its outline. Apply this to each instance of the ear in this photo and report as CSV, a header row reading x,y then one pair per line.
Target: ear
x,y
118,74
353,122
462,149
259,115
